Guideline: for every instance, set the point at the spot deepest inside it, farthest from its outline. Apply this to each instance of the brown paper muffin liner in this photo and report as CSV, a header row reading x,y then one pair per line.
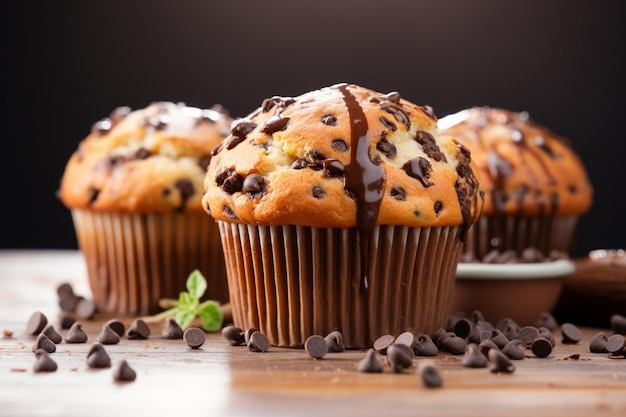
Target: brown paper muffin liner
x,y
134,260
546,234
291,282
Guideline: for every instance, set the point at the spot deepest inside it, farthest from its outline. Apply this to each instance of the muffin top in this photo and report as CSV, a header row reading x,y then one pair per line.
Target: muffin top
x,y
524,168
151,160
339,157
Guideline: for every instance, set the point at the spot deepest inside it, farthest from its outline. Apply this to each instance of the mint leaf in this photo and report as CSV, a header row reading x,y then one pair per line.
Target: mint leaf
x,y
185,301
210,315
196,284
185,317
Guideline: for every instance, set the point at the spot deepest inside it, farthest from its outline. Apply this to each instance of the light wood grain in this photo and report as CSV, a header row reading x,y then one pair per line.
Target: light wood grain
x,y
223,380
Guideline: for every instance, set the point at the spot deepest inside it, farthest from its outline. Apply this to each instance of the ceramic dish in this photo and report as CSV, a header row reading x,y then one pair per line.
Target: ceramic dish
x,y
517,291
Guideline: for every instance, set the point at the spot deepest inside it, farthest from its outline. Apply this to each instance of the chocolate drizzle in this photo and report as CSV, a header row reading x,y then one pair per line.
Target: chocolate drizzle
x,y
364,180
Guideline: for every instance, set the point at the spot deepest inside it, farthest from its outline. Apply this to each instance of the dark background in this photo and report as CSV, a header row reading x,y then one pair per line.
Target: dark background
x,y
66,64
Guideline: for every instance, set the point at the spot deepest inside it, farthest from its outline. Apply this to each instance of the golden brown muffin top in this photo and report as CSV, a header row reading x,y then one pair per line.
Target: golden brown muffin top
x,y
151,160
341,156
523,167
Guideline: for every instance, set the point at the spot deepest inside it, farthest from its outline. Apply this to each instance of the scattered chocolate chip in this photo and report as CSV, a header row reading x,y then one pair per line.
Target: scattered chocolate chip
x,y
65,289
258,342
43,342
97,357
335,341
66,321
513,350
615,344
527,334
486,345
406,338
437,334
400,357
570,333
85,309
254,185
499,363
441,340
36,323
76,334
541,347
44,362
454,345
234,335
123,372
329,119
339,145
474,358
618,323
138,329
598,343
69,301
382,343
108,336
398,193
194,337
499,338
424,346
117,326
172,330
370,363
546,334
316,346
429,375
463,327
547,320
248,333
52,334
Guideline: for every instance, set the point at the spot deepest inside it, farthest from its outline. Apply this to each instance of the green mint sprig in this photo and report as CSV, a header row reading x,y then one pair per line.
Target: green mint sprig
x,y
188,306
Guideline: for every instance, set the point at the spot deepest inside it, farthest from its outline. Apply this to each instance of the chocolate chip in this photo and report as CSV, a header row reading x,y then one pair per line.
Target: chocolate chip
x,y
76,334
317,192
172,330
473,357
123,372
194,337
329,119
419,168
398,193
454,345
441,340
527,334
229,181
36,323
138,329
424,346
400,357
388,123
204,162
406,338
437,207
339,145
239,131
86,309
254,185
382,343
97,357
248,333
117,326
142,153
429,145
230,213
43,342
66,320
486,345
513,350
499,363
618,323
186,189
108,336
69,301
276,123
52,334
65,290
370,363
258,342
615,344
234,335
598,343
547,320
437,334
388,149
299,164
44,362
335,341
570,333
429,375
499,338
463,327
316,346
541,347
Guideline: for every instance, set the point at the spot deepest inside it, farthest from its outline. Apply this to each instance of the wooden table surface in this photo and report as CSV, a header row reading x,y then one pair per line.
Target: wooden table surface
x,y
223,380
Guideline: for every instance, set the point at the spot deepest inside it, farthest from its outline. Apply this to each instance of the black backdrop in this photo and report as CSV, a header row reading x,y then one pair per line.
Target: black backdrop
x,y
67,64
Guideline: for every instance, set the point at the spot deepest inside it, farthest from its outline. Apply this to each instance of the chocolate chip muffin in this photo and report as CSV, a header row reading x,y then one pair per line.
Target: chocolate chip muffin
x,y
536,186
340,209
134,188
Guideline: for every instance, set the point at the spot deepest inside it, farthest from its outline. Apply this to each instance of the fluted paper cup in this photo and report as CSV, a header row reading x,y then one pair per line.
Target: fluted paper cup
x,y
291,282
134,260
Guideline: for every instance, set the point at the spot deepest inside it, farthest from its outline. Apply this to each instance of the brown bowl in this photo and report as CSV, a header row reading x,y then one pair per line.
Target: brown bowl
x,y
517,291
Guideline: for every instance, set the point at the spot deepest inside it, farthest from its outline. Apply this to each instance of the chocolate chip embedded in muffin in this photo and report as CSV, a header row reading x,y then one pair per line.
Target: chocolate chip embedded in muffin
x,y
340,145
388,149
238,132
419,168
318,192
398,193
438,207
230,213
388,123
329,119
186,189
429,145
229,181
254,186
